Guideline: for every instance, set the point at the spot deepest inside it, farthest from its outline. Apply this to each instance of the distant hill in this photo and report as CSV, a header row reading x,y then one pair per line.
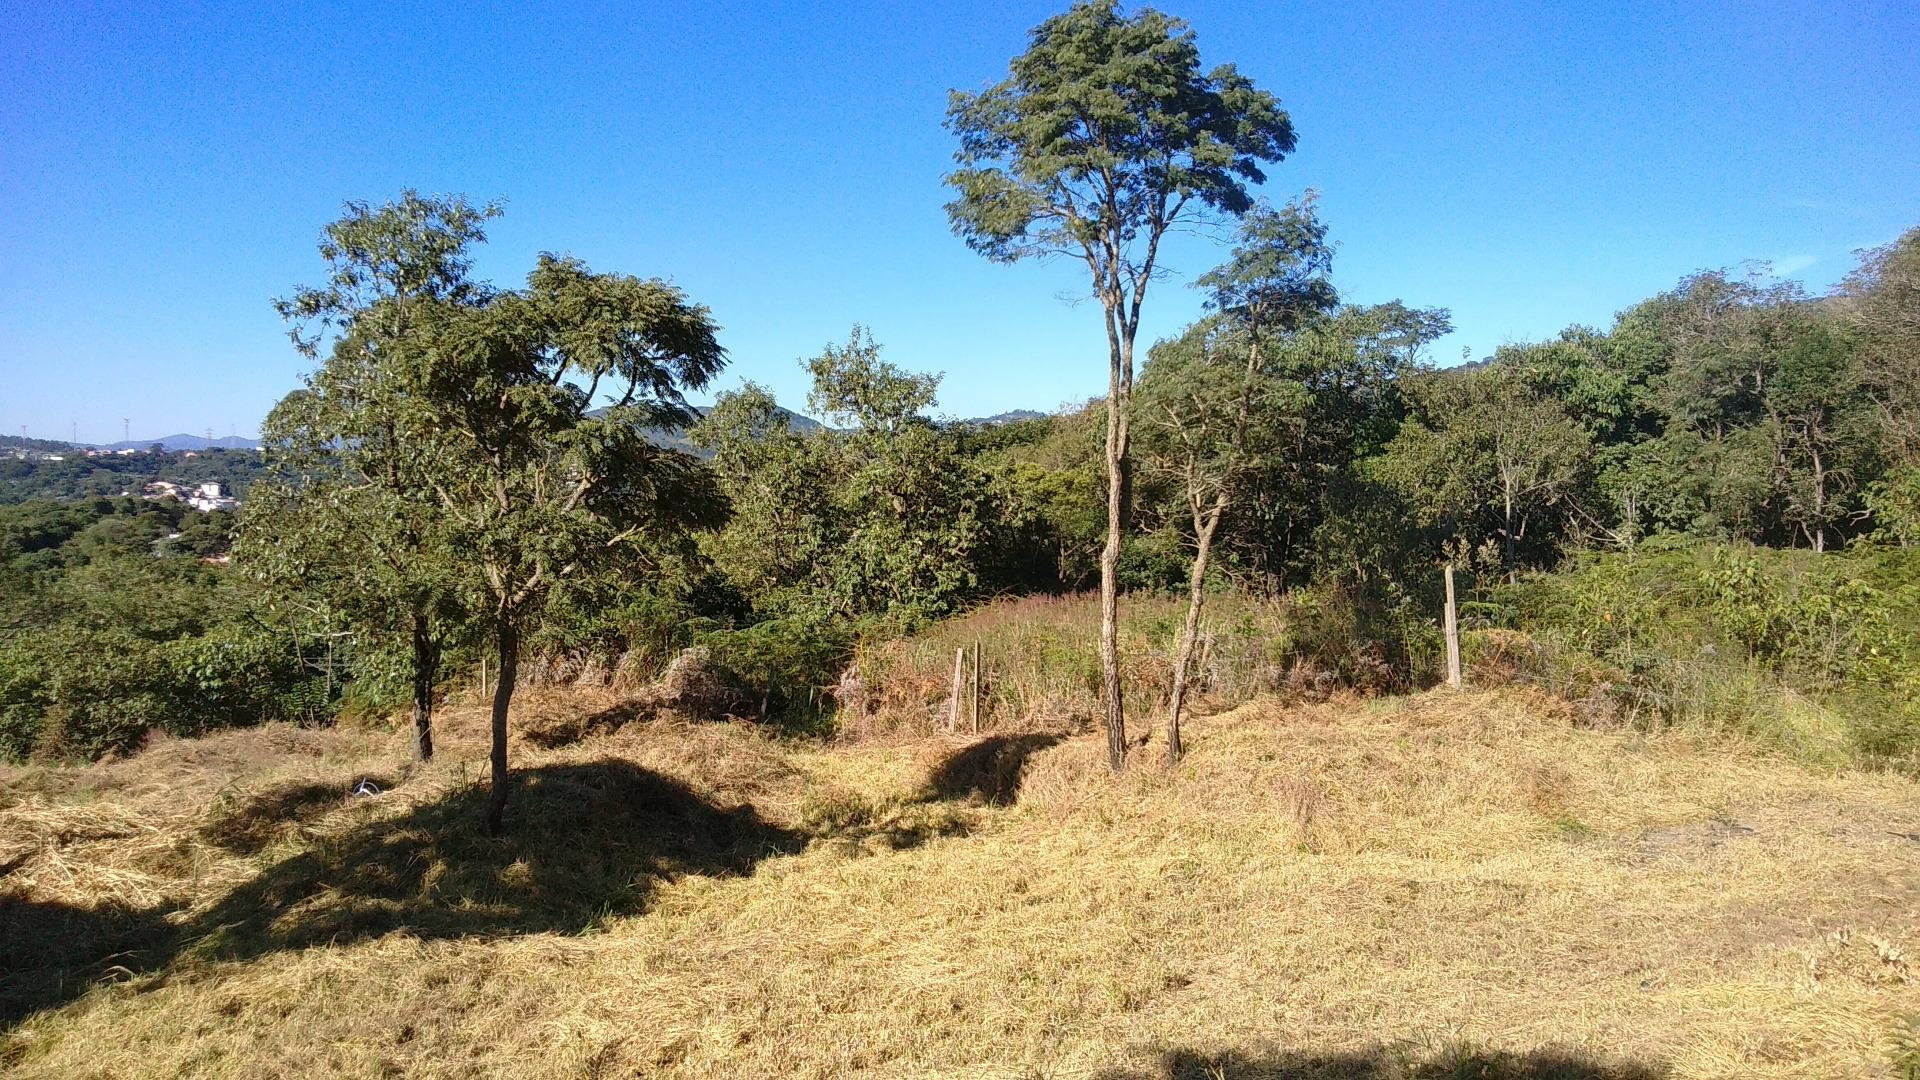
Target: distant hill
x,y
187,442
676,438
1011,417
41,446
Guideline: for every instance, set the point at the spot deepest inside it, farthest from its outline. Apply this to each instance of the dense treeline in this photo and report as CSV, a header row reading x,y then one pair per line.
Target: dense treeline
x,y
1726,410
77,476
476,470
119,620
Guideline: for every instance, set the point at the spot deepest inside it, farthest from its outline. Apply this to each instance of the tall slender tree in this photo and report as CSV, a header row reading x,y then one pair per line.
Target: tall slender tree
x,y
1106,134
1219,397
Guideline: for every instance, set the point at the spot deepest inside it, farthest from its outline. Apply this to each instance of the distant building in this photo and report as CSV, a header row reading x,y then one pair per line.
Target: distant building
x,y
206,497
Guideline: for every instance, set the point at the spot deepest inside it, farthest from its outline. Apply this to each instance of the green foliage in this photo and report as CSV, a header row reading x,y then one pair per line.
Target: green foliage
x,y
784,665
1106,126
1282,417
1375,636
1894,502
347,532
1815,654
121,645
883,519
1489,454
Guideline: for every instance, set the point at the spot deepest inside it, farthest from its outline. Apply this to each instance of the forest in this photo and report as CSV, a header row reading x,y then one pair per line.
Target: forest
x,y
1704,511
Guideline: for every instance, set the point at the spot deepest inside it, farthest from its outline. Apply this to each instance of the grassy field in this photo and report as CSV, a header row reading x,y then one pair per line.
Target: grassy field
x,y
1436,886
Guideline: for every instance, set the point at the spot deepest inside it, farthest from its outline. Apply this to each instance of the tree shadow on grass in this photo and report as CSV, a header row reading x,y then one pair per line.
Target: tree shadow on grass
x,y
51,953
250,824
1392,1063
584,842
988,771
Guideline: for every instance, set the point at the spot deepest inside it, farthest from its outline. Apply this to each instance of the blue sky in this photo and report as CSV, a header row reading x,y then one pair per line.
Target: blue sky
x,y
167,169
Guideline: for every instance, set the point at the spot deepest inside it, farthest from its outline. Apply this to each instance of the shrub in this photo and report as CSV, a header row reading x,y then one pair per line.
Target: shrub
x,y
784,664
1812,653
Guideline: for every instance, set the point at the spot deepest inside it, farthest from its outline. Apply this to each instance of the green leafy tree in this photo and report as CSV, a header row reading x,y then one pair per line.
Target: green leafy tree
x,y
1880,301
1488,455
348,531
1762,387
1106,134
878,516
537,484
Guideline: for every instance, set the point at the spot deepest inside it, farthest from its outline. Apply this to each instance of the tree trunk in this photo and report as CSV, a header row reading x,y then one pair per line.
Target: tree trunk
x,y
507,647
1190,630
1117,484
1119,489
426,671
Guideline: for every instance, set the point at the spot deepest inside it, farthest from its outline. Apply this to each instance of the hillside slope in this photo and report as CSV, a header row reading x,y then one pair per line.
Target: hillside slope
x,y
1447,885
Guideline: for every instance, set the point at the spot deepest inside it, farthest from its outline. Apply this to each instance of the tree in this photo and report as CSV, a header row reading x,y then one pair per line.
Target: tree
x,y
878,516
1880,300
1763,383
1217,397
537,484
350,526
1488,454
1106,134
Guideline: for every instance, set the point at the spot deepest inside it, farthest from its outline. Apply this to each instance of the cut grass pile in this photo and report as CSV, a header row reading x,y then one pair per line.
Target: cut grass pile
x,y
1446,885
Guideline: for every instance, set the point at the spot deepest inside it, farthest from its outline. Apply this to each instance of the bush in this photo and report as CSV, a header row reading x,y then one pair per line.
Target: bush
x,y
1374,641
785,665
1812,653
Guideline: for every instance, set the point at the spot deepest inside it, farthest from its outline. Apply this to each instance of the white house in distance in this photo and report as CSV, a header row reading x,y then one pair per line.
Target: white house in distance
x,y
206,497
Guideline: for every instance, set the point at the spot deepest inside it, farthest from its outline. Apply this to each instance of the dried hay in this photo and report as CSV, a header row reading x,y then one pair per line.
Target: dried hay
x,y
1452,884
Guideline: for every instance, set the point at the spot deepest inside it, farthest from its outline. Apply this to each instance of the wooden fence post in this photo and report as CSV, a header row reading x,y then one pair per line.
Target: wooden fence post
x,y
959,687
976,686
1453,635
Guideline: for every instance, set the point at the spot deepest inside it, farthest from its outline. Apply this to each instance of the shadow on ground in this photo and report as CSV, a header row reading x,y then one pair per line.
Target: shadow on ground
x,y
584,842
987,771
1391,1063
51,953
251,823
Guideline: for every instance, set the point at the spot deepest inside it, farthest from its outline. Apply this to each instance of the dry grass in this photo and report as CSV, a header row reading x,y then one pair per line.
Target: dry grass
x,y
1040,666
1447,885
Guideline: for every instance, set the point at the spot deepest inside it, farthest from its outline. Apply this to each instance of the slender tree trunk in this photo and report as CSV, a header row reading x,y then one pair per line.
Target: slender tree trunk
x,y
1111,695
426,671
1190,630
507,647
1119,490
